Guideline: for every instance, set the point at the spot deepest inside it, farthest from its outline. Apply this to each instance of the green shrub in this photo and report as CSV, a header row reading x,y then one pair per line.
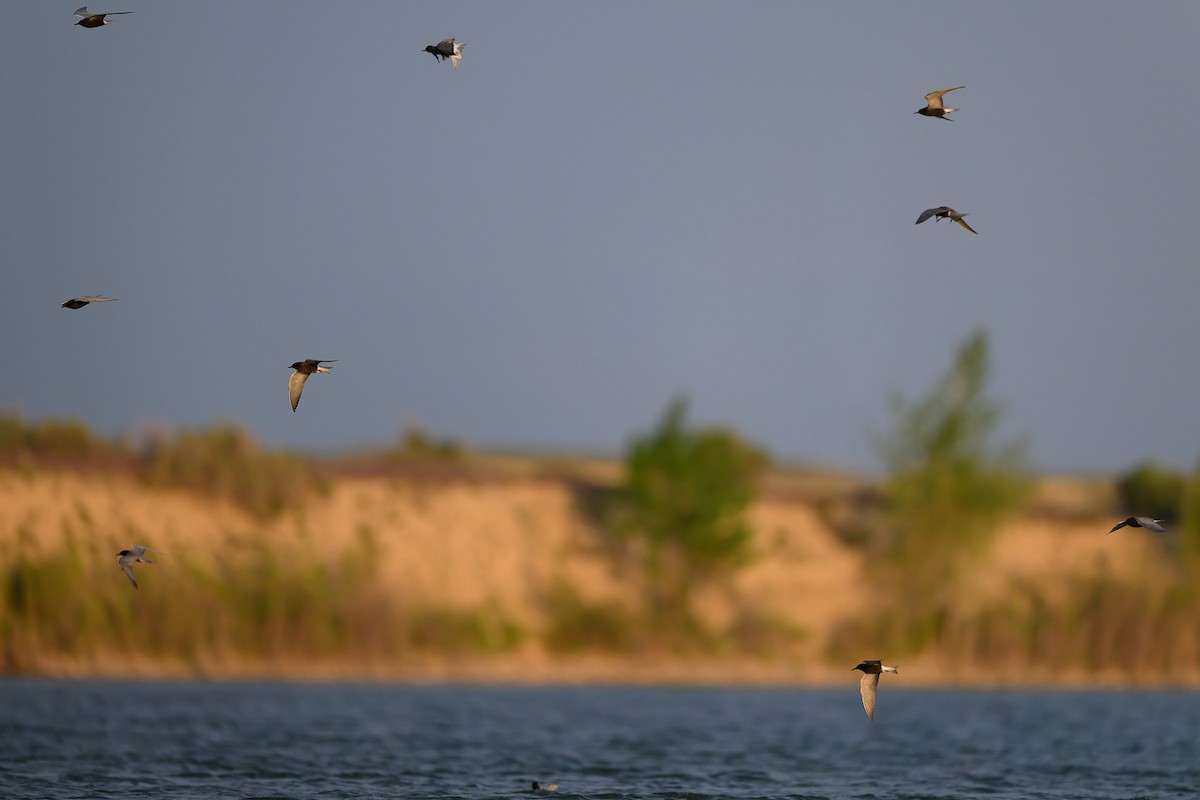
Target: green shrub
x,y
681,509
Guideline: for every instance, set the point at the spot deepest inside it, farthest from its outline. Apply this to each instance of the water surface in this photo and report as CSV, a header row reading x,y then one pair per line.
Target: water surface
x,y
274,740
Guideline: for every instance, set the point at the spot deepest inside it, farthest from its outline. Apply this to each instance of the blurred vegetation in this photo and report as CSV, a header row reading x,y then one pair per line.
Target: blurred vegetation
x,y
1149,490
948,485
258,602
675,522
1087,624
67,440
226,463
679,512
222,463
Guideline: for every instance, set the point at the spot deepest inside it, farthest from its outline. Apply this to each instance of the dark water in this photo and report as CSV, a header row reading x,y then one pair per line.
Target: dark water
x,y
202,740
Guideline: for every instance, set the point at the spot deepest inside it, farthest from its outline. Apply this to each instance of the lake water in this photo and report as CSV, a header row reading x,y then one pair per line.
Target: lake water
x,y
274,740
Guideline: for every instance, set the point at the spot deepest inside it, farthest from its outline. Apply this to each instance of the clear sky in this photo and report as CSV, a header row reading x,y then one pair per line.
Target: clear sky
x,y
608,204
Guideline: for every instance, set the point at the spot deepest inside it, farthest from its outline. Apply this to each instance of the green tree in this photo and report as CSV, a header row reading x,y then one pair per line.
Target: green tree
x,y
948,486
682,510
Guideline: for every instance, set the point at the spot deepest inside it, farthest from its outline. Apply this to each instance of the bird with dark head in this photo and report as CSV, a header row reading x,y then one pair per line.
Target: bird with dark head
x,y
869,683
446,49
1149,523
90,20
80,302
303,369
127,558
945,212
934,107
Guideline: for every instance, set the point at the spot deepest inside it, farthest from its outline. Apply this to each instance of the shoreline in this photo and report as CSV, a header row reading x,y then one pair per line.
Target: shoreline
x,y
588,672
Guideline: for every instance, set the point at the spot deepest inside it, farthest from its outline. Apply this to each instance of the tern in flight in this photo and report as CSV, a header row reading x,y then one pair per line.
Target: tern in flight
x,y
303,369
945,212
80,302
934,107
870,682
90,20
127,558
1149,523
447,49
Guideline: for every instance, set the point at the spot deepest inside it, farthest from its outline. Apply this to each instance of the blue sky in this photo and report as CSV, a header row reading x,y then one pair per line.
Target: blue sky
x,y
607,205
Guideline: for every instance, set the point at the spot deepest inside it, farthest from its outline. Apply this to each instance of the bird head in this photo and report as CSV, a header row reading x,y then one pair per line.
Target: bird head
x,y
296,365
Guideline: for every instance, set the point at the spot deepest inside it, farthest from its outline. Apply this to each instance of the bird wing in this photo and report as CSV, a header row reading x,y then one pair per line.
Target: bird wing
x,y
929,212
95,298
934,99
963,223
1119,525
127,568
867,688
1151,524
82,12
295,387
446,46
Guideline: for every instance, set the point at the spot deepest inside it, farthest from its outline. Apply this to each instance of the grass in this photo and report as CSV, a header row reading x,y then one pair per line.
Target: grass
x,y
272,602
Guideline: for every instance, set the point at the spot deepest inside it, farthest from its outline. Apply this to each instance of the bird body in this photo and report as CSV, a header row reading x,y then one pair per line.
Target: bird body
x,y
127,558
447,49
869,683
545,787
90,20
945,212
303,369
1149,523
80,302
934,107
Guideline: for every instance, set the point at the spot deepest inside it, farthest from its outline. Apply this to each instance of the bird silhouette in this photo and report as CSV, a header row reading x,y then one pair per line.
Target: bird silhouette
x,y
871,670
447,49
80,302
303,369
933,104
90,20
545,787
945,212
127,558
1149,523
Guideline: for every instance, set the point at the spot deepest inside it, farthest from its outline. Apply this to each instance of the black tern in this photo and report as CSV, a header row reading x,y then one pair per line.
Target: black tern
x,y
548,787
870,681
127,558
934,107
80,302
303,369
447,49
90,20
1149,523
945,212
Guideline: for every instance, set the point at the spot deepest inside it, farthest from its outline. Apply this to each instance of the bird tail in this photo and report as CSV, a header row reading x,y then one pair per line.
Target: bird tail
x,y
324,369
949,110
893,670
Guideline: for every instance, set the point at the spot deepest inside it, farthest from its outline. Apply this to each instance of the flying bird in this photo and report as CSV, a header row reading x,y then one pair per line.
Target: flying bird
x,y
545,787
80,302
1149,523
303,369
934,107
127,558
945,212
90,20
870,681
447,49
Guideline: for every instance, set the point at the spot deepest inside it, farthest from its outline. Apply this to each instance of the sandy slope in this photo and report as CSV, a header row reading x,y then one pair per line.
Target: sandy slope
x,y
503,543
